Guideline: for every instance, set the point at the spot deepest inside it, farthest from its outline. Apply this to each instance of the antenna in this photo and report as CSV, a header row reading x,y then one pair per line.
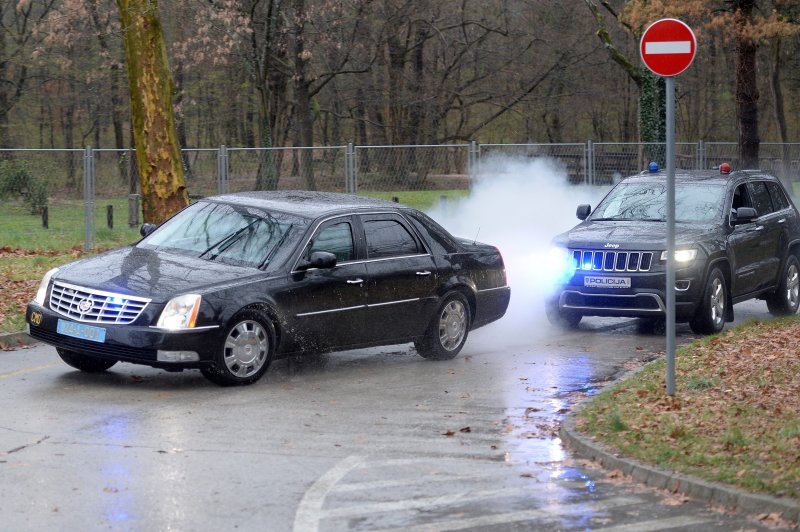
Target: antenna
x,y
476,236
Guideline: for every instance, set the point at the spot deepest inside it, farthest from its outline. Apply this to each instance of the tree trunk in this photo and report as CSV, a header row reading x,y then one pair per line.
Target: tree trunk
x,y
746,86
777,106
157,150
303,98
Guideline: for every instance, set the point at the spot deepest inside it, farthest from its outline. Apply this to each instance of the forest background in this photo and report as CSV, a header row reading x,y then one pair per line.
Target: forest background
x,y
255,73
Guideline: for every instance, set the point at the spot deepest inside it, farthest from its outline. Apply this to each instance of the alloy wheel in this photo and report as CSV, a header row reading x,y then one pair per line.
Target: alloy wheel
x,y
246,348
452,325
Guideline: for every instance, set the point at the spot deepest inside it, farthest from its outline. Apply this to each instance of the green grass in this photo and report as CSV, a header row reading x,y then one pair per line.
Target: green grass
x,y
420,199
733,418
20,229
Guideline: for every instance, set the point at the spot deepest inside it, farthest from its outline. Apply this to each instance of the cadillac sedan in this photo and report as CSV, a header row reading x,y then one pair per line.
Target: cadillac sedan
x,y
234,281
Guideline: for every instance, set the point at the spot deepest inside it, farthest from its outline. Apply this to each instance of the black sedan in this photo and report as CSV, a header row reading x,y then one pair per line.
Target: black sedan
x,y
234,281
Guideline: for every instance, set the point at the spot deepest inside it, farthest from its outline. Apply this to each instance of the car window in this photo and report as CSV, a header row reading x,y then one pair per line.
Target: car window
x,y
438,238
741,197
646,201
388,238
226,233
779,199
336,239
761,199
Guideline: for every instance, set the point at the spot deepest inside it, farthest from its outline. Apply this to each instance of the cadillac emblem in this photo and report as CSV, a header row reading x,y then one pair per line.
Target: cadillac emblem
x,y
85,305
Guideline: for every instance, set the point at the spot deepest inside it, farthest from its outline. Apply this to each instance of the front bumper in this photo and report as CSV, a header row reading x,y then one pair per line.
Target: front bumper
x,y
644,298
127,343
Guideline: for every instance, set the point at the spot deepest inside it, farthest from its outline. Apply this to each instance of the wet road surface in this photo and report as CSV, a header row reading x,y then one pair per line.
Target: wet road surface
x,y
376,439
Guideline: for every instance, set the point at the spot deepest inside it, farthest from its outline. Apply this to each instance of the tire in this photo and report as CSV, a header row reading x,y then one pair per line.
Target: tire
x,y
563,319
786,299
84,362
710,316
245,351
448,329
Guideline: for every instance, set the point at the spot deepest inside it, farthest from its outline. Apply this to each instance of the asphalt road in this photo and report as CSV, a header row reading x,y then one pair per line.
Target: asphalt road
x,y
364,440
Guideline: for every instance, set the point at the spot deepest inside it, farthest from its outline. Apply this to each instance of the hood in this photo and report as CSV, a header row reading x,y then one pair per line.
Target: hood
x,y
631,235
149,273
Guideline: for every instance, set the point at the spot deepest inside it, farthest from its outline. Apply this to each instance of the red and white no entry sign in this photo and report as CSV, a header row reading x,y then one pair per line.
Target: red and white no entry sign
x,y
668,47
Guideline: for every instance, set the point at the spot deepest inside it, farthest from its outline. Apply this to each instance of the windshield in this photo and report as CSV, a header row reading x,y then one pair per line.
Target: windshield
x,y
215,231
694,202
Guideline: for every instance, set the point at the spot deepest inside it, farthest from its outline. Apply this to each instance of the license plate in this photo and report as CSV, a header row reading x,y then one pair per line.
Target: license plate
x,y
592,281
79,330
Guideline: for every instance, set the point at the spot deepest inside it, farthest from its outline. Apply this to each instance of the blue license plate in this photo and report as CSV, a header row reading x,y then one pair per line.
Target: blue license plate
x,y
79,330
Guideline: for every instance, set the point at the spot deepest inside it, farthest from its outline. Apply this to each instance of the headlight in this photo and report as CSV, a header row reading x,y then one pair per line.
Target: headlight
x,y
41,293
180,312
560,266
681,255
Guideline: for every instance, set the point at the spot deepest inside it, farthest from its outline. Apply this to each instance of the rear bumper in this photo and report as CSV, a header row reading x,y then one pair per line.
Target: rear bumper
x,y
491,305
127,343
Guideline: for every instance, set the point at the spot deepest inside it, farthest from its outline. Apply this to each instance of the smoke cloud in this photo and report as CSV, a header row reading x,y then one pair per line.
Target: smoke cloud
x,y
519,205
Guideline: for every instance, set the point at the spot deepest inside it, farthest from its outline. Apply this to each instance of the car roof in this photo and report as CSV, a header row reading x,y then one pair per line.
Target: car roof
x,y
710,177
309,204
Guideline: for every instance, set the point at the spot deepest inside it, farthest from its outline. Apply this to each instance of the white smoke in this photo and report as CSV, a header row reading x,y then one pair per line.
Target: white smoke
x,y
519,205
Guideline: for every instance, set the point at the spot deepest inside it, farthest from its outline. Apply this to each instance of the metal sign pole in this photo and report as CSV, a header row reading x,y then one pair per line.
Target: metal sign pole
x,y
670,288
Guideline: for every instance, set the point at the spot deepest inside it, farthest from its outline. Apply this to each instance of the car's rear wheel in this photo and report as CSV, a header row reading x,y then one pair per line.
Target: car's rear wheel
x,y
246,350
448,330
786,298
84,362
710,316
563,319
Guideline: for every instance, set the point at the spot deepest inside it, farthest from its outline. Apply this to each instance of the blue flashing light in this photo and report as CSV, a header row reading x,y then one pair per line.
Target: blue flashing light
x,y
653,167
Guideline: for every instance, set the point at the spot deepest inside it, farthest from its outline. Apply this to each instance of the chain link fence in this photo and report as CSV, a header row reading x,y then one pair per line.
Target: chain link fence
x,y
78,195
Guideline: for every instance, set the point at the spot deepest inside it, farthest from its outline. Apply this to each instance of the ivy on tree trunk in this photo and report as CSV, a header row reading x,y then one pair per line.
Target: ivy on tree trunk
x,y
155,135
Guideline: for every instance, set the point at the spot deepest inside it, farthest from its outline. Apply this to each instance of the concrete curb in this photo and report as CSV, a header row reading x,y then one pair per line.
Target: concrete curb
x,y
710,492
15,339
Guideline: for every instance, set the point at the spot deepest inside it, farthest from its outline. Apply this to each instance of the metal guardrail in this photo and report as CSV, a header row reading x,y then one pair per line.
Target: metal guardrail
x,y
108,173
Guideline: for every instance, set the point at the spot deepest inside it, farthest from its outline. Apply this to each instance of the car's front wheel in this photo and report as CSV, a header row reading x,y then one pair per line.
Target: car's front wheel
x,y
448,330
246,350
84,362
563,319
786,298
710,316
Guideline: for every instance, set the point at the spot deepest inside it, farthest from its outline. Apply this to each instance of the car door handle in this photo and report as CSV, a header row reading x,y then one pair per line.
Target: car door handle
x,y
426,272
355,281
782,220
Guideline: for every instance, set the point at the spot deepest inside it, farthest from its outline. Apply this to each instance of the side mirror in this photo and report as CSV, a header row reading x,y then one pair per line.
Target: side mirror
x,y
743,215
146,229
319,259
583,211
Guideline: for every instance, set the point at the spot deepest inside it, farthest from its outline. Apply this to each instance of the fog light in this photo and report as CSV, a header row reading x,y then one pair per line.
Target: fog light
x,y
682,286
177,356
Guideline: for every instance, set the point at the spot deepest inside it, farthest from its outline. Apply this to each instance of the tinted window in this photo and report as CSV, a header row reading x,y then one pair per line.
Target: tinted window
x,y
778,196
761,200
741,198
336,239
440,240
388,238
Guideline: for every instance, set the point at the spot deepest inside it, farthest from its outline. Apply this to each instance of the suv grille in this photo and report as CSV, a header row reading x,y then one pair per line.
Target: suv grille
x,y
612,261
84,304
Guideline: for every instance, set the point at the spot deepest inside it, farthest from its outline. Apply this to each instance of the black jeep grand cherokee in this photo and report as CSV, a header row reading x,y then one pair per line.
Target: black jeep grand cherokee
x,y
737,238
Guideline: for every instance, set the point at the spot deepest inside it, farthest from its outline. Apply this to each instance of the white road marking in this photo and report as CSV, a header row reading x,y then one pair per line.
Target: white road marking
x,y
306,519
554,510
656,524
668,47
425,502
381,484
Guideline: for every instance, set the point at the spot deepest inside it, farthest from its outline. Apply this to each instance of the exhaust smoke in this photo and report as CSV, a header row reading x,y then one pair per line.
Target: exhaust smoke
x,y
519,205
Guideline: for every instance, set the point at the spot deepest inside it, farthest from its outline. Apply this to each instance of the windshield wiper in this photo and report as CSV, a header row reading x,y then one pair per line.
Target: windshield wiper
x,y
275,248
614,219
229,240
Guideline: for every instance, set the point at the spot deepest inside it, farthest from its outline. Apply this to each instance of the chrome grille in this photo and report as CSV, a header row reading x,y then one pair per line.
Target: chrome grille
x,y
95,306
612,261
